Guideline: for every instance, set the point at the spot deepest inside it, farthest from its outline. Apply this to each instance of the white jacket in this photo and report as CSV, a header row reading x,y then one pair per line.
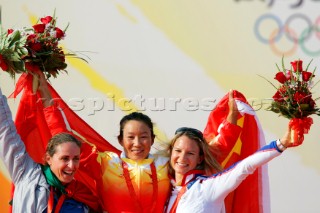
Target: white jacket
x,y
31,188
207,194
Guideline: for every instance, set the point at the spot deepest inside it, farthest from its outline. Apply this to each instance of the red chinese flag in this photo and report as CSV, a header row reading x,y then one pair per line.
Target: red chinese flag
x,y
252,195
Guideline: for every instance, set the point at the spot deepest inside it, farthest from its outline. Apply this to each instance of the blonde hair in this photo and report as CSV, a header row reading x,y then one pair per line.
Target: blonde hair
x,y
209,164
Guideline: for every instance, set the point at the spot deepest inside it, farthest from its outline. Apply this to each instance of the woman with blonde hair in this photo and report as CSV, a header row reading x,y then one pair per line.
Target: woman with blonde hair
x,y
199,185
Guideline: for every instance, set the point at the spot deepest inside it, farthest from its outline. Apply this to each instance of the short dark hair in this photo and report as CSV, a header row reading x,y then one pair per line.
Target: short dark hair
x,y
135,116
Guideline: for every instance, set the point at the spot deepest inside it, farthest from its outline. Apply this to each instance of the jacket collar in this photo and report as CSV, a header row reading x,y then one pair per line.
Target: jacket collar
x,y
146,161
188,177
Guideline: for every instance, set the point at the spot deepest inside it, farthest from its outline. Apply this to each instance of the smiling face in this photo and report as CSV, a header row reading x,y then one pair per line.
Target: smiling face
x,y
65,161
136,140
185,156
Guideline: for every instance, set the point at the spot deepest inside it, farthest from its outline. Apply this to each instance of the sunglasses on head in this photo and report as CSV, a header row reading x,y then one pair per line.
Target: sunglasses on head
x,y
194,131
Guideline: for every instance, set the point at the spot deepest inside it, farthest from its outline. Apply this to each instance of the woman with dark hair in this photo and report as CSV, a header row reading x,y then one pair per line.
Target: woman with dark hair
x,y
43,188
199,185
135,181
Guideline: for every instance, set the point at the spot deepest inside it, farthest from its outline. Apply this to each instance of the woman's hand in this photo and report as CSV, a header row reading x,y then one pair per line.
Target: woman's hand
x,y
40,83
233,109
291,140
287,139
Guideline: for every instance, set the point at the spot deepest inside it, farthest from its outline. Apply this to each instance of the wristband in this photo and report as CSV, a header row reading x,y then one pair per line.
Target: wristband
x,y
281,146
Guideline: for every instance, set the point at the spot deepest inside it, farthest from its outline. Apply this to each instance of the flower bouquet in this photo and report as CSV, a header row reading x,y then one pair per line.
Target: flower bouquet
x,y
33,49
293,98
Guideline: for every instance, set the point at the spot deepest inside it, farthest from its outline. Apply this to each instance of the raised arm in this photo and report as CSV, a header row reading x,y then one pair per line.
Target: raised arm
x,y
12,149
228,131
41,84
233,113
52,112
230,179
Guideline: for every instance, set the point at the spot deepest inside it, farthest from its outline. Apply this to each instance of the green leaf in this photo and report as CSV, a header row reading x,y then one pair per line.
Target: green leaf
x,y
278,68
282,62
19,65
308,65
13,37
15,56
259,76
24,51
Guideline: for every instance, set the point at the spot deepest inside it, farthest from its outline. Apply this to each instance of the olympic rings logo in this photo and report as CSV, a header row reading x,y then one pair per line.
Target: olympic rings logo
x,y
289,32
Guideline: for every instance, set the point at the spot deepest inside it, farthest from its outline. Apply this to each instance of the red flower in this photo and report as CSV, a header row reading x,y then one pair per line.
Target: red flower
x,y
10,31
312,104
306,75
39,28
31,67
277,97
33,43
300,97
281,77
46,19
35,46
3,63
62,56
31,37
297,65
59,33
289,75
